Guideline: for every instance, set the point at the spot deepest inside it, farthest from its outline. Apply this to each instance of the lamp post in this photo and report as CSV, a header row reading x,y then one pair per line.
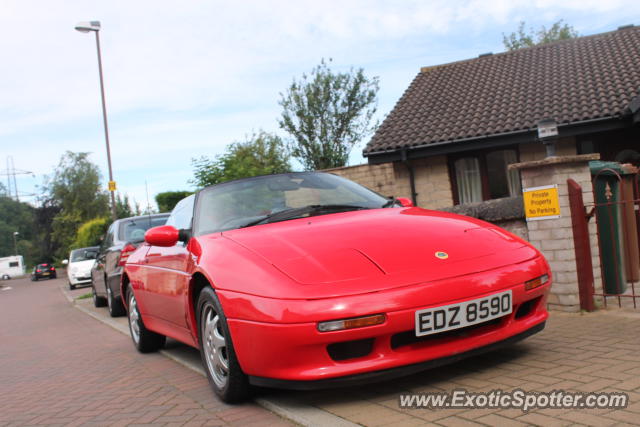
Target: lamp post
x,y
15,242
85,27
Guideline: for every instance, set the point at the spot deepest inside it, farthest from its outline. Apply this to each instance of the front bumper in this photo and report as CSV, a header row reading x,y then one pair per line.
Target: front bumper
x,y
282,347
79,280
388,374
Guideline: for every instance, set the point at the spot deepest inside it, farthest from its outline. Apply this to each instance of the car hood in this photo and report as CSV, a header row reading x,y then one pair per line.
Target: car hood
x,y
81,266
414,243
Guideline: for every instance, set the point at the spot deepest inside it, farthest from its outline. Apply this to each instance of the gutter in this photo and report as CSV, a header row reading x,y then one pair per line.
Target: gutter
x,y
519,133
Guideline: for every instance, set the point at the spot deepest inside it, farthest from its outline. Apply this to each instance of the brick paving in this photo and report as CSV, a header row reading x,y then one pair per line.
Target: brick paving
x,y
594,352
59,366
576,352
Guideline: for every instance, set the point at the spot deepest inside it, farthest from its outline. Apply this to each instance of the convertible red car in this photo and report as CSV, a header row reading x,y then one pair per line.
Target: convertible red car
x,y
307,280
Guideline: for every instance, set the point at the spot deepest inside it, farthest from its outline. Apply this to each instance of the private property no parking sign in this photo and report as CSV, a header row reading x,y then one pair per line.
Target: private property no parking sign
x,y
541,202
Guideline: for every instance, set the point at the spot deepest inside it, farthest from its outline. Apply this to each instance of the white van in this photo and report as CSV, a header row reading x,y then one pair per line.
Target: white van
x,y
11,266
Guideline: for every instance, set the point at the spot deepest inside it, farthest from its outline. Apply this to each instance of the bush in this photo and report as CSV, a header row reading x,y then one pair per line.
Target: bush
x,y
90,233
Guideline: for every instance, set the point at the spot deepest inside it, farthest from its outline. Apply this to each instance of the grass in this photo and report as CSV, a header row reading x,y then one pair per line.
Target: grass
x,y
85,296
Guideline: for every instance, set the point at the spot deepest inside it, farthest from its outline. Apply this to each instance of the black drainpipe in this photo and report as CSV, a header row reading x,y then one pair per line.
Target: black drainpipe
x,y
412,181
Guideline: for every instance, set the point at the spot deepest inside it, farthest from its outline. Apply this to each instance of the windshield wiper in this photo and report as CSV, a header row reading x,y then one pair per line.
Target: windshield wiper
x,y
391,203
304,210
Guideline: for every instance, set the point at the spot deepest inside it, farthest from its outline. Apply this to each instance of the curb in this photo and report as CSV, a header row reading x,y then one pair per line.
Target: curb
x,y
286,407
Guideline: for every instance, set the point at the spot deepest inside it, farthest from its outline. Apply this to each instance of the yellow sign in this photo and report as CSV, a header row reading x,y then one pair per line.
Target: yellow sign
x,y
541,202
112,186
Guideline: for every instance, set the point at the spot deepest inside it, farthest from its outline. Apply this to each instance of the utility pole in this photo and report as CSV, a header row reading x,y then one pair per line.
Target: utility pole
x,y
11,173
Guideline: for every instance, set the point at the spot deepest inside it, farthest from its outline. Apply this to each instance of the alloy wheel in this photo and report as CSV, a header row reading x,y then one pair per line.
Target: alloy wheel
x,y
215,347
134,317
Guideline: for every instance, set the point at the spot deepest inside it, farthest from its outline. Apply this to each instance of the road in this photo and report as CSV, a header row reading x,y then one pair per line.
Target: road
x,y
59,366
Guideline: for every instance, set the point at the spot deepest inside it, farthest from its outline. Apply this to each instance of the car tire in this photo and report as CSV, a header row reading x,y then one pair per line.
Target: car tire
x,y
34,278
71,287
218,356
97,301
5,277
114,305
144,340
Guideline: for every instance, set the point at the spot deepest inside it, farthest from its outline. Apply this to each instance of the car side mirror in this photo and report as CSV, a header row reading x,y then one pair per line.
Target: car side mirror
x,y
164,235
407,203
65,261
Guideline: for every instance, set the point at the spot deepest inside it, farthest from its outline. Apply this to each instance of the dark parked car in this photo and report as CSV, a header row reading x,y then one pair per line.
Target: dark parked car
x,y
43,271
122,238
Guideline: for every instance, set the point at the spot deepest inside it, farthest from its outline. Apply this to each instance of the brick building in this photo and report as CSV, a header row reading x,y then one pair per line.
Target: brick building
x,y
454,131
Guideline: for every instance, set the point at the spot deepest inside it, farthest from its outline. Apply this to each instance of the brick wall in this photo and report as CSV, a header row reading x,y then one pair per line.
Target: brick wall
x,y
379,178
554,237
392,179
536,150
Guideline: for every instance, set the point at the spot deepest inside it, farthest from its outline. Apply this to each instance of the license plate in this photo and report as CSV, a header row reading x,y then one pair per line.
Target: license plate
x,y
45,274
459,315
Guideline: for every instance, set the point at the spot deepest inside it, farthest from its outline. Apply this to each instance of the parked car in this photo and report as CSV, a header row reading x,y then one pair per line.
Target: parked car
x,y
308,280
79,266
43,271
122,238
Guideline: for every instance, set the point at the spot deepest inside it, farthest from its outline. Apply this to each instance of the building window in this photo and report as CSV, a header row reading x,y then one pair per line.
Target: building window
x,y
484,176
469,180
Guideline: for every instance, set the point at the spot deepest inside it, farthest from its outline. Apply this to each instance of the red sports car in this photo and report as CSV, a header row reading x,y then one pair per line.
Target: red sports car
x,y
306,280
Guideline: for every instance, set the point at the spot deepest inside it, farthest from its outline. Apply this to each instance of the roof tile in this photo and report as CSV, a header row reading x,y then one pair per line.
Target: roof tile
x,y
573,80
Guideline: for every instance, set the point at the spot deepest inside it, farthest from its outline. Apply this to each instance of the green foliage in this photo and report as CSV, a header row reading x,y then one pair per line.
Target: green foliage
x,y
521,39
90,232
20,217
167,201
327,113
262,154
75,189
124,208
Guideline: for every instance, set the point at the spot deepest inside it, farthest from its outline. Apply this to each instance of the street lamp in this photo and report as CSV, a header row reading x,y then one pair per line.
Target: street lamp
x,y
85,27
15,242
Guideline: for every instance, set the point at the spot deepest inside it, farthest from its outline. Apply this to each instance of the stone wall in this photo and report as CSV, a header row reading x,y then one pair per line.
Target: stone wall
x,y
554,237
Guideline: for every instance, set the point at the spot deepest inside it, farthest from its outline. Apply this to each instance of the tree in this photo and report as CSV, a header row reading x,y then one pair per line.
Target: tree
x,y
167,201
75,189
262,154
91,232
124,208
521,39
327,113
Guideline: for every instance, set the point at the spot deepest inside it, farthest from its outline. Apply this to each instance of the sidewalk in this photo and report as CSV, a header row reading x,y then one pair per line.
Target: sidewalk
x,y
594,352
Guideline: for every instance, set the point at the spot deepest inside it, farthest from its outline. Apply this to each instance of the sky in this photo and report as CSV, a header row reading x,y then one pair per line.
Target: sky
x,y
183,79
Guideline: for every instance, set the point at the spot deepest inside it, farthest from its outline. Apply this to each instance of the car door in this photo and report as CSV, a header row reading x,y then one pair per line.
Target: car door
x,y
168,272
98,270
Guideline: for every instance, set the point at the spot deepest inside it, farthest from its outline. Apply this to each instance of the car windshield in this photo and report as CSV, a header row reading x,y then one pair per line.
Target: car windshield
x,y
273,198
43,265
133,229
83,255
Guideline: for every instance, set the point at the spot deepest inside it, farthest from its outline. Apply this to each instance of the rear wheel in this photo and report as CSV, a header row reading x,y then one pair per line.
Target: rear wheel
x,y
97,301
217,352
144,340
115,306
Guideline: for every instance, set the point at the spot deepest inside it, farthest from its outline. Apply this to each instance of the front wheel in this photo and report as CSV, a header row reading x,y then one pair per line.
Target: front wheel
x,y
71,287
217,352
145,341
